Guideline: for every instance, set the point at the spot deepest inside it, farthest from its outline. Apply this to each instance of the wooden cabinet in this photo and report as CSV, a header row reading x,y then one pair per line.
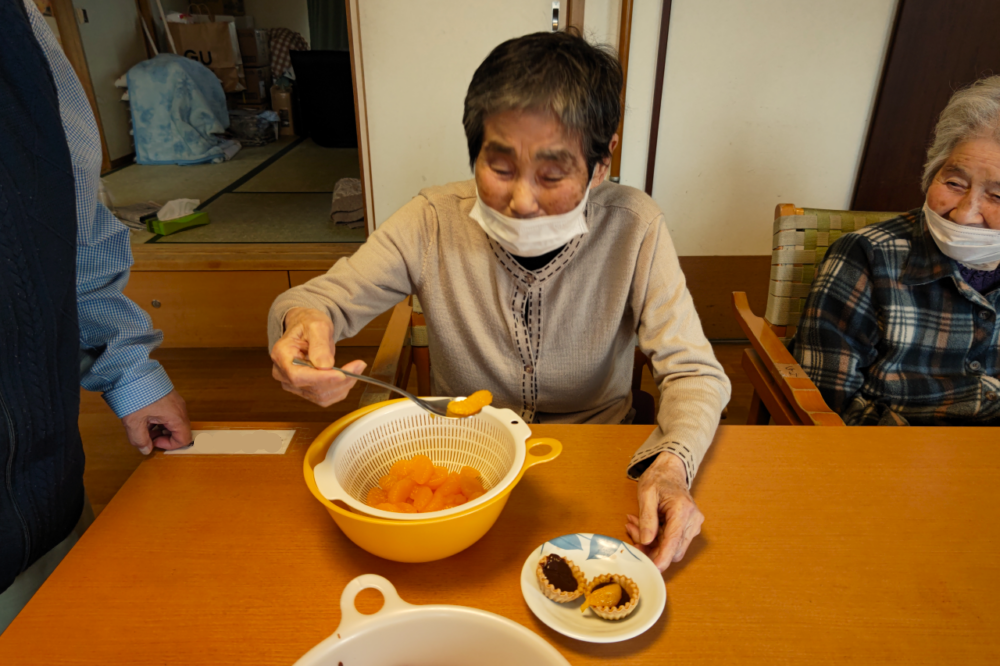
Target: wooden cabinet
x,y
223,308
208,308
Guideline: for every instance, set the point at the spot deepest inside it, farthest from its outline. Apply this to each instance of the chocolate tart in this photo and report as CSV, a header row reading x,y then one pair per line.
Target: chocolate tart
x,y
630,596
561,580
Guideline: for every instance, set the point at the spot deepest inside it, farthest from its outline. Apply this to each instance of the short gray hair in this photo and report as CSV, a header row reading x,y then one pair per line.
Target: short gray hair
x,y
971,112
555,71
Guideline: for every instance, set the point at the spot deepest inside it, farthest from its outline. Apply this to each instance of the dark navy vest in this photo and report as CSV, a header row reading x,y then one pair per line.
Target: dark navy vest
x,y
41,456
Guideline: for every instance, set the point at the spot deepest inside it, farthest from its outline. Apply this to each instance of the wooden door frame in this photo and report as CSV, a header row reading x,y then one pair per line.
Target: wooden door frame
x,y
624,44
72,46
574,14
360,111
661,66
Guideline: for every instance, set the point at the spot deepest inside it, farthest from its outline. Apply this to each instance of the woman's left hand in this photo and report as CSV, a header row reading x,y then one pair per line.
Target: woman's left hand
x,y
668,517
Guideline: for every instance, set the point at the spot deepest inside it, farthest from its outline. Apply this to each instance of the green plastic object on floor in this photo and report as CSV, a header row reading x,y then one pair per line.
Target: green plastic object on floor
x,y
167,227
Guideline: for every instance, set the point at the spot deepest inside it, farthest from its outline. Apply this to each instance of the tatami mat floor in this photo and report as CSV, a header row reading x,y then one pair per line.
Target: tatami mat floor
x,y
278,193
306,168
271,217
137,183
236,385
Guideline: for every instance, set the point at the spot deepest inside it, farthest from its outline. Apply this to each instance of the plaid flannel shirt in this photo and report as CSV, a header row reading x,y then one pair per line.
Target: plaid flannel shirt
x,y
892,334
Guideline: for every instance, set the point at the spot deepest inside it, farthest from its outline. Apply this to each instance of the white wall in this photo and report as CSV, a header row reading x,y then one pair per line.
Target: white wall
x,y
418,60
113,43
764,102
639,91
600,21
291,14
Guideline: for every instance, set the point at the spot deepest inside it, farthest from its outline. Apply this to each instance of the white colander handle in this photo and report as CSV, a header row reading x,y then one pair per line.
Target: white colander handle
x,y
351,616
326,481
351,620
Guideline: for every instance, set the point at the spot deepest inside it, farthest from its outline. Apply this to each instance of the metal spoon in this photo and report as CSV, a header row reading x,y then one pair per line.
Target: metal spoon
x,y
436,406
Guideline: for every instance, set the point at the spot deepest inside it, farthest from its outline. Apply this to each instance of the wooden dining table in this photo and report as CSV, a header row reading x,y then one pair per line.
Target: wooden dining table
x,y
820,546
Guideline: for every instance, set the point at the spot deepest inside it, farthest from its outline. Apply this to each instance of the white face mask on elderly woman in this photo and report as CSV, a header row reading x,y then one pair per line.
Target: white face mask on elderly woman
x,y
976,247
533,236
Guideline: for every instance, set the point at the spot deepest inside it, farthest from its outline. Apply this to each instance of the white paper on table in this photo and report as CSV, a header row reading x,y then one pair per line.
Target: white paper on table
x,y
237,441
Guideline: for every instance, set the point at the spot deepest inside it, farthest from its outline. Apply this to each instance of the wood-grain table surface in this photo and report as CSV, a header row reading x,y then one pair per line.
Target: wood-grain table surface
x,y
821,546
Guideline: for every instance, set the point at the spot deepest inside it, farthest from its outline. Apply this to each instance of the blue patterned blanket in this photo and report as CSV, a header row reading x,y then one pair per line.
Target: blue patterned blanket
x,y
178,108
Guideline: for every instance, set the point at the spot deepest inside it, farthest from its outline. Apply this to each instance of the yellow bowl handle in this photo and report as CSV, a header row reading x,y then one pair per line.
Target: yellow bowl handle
x,y
555,448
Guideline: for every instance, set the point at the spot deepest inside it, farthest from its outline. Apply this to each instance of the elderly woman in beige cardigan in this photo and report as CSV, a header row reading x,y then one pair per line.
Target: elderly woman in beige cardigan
x,y
537,279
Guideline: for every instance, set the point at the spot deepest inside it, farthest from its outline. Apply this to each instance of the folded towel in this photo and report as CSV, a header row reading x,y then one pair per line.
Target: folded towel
x,y
348,216
347,196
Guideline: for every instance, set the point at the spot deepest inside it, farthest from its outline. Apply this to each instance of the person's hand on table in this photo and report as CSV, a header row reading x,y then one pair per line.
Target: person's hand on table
x,y
668,517
309,335
163,424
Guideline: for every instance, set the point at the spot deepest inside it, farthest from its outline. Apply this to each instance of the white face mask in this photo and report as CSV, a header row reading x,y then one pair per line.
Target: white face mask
x,y
974,247
531,237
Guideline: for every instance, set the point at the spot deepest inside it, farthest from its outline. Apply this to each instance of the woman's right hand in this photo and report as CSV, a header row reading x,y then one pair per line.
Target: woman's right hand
x,y
309,335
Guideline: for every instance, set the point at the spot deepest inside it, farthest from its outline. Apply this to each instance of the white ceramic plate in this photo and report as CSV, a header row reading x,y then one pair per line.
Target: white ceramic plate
x,y
596,554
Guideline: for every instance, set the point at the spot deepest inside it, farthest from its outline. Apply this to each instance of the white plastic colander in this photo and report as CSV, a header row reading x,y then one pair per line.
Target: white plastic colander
x,y
492,441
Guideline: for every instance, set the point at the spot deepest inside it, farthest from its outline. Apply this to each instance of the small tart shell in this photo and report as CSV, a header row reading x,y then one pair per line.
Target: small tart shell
x,y
617,612
554,593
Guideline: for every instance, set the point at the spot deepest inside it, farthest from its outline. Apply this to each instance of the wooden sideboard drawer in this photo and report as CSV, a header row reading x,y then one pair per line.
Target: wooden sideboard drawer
x,y
208,308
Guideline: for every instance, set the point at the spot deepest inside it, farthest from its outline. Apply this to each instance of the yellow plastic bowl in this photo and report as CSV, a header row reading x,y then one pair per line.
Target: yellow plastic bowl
x,y
415,540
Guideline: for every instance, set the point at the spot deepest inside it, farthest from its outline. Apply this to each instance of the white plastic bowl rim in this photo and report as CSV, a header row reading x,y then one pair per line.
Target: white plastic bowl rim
x,y
331,489
395,632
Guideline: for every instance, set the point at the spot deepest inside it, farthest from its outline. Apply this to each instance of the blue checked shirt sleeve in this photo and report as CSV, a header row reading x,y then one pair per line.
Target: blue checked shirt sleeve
x,y
110,321
110,324
838,332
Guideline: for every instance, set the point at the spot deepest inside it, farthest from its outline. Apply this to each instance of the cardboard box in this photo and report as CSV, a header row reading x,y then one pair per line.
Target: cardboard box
x,y
215,45
254,48
231,7
258,82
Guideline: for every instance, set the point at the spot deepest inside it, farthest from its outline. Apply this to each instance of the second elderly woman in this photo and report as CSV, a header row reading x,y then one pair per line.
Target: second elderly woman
x,y
536,280
901,324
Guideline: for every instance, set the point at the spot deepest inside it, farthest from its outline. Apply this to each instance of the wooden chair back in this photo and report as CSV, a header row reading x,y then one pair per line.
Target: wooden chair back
x,y
394,357
801,237
782,390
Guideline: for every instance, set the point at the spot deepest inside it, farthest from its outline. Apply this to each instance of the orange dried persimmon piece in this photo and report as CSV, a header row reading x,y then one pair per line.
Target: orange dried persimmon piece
x,y
400,492
436,504
471,405
469,481
421,496
451,485
387,481
405,507
438,477
421,469
400,469
387,506
452,501
377,496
